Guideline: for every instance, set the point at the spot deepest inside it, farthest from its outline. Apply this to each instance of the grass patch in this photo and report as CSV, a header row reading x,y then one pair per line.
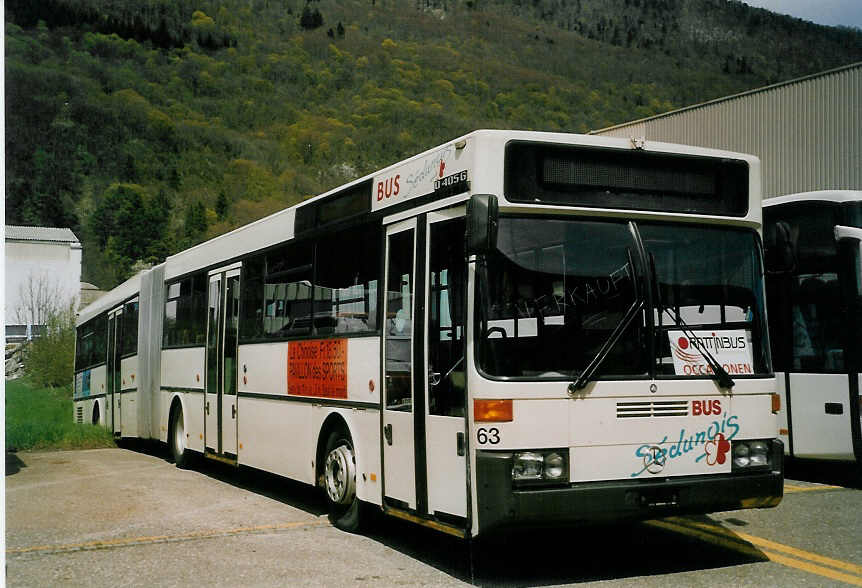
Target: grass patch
x,y
41,418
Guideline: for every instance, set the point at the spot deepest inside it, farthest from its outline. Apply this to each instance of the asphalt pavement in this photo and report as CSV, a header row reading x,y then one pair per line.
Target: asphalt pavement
x,y
118,517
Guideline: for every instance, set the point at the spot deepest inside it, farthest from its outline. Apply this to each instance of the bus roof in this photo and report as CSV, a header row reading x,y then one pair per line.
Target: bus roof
x,y
115,297
280,226
816,196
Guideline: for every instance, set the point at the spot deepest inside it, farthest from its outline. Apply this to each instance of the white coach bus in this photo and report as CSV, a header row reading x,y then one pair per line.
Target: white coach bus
x,y
814,289
513,328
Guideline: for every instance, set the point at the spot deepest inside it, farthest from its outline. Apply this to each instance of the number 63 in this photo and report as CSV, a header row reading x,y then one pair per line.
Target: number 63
x,y
488,436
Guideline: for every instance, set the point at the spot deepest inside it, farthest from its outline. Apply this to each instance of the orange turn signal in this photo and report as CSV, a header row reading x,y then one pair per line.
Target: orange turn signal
x,y
492,411
776,403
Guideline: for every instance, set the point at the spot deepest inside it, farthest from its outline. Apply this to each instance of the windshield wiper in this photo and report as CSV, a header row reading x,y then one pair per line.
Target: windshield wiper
x,y
605,350
721,376
612,339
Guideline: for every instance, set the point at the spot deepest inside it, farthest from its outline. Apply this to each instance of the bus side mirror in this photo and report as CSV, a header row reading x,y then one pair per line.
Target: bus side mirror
x,y
482,213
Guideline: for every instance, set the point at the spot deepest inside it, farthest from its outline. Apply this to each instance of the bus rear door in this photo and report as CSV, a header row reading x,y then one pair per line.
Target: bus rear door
x,y
113,377
220,406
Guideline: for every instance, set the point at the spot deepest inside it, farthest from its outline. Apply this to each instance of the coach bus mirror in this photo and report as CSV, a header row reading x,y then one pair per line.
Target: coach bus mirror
x,y
780,246
482,211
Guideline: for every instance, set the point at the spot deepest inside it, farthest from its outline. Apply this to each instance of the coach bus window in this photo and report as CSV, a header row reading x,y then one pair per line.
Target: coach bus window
x,y
185,312
851,256
852,213
130,329
803,301
251,304
91,346
287,291
345,293
817,328
555,291
709,278
83,345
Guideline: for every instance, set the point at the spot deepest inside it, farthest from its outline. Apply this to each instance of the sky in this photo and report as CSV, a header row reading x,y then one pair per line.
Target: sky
x,y
826,12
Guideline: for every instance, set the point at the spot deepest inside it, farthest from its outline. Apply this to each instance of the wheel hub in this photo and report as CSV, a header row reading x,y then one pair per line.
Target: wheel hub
x,y
340,475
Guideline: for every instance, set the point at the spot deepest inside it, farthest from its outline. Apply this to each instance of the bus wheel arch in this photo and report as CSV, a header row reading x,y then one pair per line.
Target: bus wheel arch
x,y
97,418
177,435
336,473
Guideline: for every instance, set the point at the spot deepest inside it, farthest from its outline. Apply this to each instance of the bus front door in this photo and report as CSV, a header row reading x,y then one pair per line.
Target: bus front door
x,y
220,406
445,386
424,422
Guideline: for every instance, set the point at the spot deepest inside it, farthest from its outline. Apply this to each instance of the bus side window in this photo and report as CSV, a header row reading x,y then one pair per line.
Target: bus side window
x,y
817,329
252,299
345,295
287,291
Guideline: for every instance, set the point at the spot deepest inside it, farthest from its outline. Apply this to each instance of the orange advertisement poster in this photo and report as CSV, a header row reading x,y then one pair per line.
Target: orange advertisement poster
x,y
317,368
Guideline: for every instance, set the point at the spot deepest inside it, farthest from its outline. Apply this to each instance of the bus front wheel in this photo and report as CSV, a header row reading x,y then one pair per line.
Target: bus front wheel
x,y
339,482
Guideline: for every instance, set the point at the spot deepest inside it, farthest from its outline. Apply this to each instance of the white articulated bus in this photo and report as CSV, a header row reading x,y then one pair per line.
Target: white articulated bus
x,y
513,328
814,289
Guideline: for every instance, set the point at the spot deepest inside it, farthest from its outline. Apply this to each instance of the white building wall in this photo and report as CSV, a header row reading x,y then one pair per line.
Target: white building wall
x,y
56,265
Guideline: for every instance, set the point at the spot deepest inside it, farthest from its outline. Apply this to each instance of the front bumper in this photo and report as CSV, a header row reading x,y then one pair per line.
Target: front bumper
x,y
500,504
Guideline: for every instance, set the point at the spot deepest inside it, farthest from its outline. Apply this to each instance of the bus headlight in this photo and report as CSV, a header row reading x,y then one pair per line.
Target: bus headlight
x,y
527,466
555,466
540,466
748,455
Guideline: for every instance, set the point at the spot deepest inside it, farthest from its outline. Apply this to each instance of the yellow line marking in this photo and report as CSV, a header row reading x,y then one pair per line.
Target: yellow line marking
x,y
775,546
813,569
722,540
791,488
108,543
807,561
820,559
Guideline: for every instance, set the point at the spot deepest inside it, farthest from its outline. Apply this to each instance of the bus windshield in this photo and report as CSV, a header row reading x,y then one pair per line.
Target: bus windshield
x,y
555,290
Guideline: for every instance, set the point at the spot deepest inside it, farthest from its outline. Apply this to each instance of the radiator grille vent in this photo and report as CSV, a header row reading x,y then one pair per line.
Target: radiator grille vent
x,y
658,408
80,416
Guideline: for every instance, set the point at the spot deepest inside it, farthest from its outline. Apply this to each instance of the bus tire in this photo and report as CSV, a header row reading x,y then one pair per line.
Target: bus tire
x,y
96,413
177,439
339,482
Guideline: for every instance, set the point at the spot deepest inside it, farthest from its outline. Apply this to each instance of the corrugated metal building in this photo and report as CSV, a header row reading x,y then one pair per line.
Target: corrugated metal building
x,y
807,132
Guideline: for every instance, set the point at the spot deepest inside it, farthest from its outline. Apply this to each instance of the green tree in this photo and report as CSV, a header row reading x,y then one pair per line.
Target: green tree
x,y
222,206
195,221
310,19
129,227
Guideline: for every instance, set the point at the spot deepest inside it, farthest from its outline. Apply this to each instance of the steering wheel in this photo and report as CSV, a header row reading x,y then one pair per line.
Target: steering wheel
x,y
500,330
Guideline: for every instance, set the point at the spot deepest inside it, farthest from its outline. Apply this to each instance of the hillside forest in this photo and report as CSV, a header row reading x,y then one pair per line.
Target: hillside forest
x,y
150,125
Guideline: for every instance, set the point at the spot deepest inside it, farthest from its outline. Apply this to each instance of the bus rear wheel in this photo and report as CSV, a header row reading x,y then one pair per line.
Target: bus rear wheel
x,y
339,482
96,413
177,439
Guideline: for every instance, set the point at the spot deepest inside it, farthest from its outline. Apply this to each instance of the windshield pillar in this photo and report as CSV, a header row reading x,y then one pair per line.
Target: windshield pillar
x,y
647,289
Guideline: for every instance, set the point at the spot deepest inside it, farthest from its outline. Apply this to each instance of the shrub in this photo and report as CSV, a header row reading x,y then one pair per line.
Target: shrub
x,y
50,359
